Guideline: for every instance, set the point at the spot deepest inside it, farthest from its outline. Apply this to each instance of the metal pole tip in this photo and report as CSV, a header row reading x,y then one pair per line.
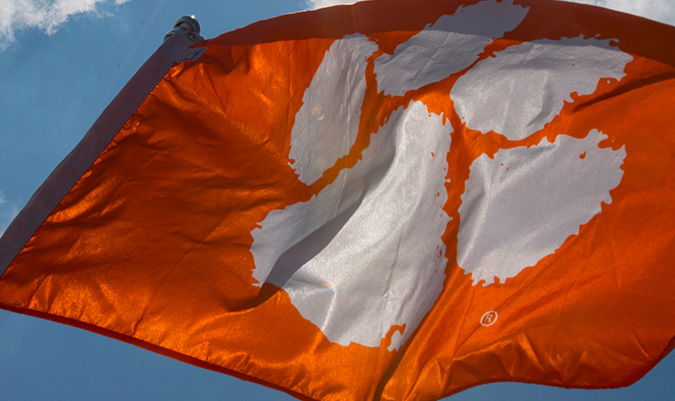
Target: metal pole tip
x,y
187,24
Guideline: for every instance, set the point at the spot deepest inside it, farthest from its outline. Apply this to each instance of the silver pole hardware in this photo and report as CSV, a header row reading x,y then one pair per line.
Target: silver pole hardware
x,y
188,25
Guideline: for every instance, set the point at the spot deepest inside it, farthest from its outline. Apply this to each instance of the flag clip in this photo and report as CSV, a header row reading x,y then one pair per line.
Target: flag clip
x,y
191,54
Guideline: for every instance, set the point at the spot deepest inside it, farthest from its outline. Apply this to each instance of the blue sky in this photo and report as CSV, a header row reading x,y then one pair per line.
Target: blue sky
x,y
61,63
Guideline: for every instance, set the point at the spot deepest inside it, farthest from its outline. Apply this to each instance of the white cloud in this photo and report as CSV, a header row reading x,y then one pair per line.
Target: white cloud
x,y
659,10
8,211
46,15
314,4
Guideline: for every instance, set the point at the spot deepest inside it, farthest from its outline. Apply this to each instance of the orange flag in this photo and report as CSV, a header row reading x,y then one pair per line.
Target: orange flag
x,y
393,200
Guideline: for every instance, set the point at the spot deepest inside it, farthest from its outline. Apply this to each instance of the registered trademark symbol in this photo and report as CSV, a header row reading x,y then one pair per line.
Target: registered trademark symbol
x,y
489,318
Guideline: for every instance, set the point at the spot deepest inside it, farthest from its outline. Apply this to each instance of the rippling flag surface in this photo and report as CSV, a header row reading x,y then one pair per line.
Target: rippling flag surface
x,y
393,200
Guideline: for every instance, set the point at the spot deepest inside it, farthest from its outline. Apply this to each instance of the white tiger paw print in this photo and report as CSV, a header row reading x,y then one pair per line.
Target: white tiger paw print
x,y
364,259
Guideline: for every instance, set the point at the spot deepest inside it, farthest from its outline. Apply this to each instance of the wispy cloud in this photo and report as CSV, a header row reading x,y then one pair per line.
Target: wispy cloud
x,y
45,15
659,10
7,212
314,4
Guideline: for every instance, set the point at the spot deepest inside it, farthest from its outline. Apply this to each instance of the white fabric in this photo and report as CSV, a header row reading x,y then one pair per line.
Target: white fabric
x,y
521,205
524,87
448,46
379,254
326,126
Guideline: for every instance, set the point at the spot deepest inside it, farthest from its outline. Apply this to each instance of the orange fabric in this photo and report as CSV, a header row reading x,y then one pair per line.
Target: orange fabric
x,y
152,243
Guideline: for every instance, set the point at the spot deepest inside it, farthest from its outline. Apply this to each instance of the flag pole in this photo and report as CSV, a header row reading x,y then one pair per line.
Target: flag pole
x,y
184,34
